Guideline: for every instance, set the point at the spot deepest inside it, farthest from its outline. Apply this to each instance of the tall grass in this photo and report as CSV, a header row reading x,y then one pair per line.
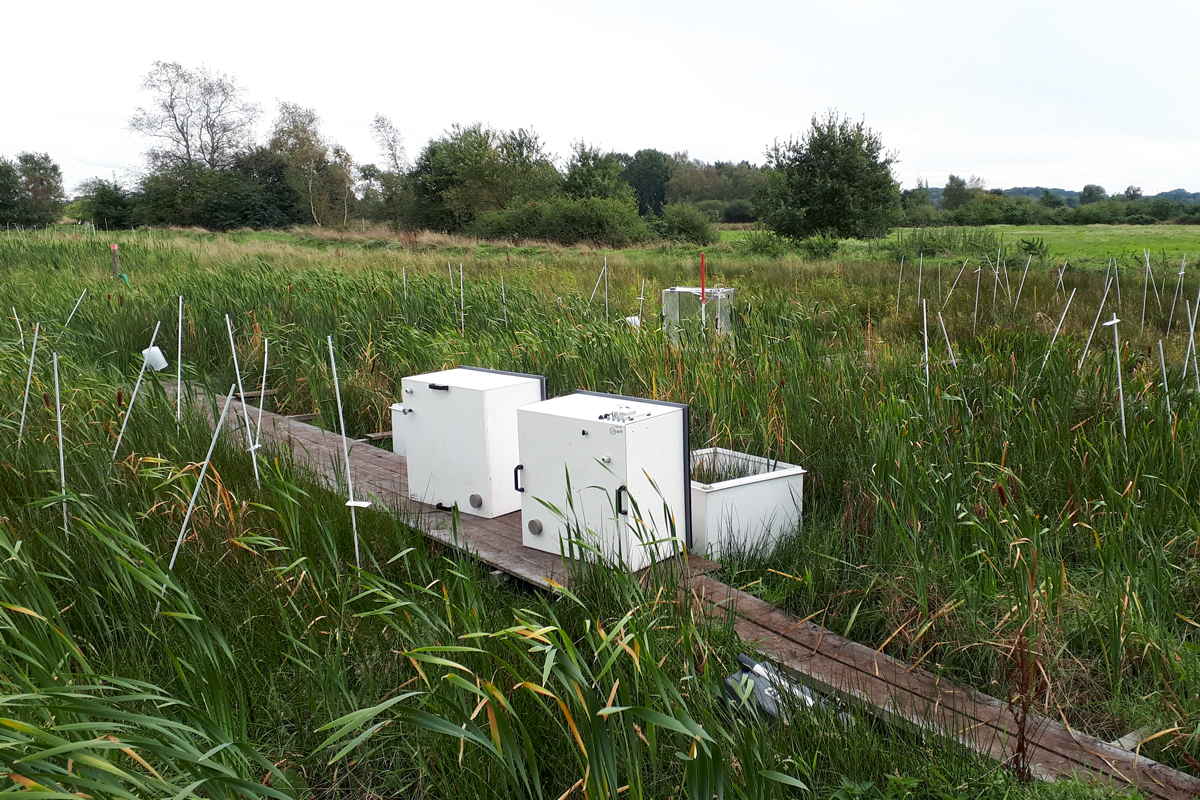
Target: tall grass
x,y
949,522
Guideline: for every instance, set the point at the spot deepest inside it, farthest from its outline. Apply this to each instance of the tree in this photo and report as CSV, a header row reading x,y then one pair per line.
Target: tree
x,y
958,192
41,182
836,179
1132,192
910,199
31,190
105,203
390,143
648,173
591,173
1051,200
1092,194
319,171
199,117
471,170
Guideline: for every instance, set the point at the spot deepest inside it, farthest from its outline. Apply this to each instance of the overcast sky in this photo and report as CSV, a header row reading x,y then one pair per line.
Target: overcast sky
x,y
1019,93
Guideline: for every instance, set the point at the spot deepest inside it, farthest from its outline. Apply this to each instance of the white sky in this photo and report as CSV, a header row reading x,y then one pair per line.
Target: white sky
x,y
1020,93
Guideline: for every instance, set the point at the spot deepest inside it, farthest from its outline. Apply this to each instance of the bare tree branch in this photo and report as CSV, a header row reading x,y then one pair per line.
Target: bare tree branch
x,y
199,117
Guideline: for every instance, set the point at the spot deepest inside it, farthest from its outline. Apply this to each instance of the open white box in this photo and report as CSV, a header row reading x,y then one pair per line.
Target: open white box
x,y
748,512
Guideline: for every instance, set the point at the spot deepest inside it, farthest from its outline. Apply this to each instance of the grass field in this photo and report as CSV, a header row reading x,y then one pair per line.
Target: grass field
x,y
1085,246
991,507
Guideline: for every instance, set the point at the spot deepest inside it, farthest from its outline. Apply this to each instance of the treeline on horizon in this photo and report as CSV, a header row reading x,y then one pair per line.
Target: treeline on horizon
x,y
205,168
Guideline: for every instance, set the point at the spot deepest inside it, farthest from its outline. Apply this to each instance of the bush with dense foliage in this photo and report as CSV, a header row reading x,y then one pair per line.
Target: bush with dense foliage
x,y
566,220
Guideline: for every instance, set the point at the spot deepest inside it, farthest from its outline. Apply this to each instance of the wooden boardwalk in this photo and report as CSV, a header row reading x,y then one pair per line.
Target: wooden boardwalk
x,y
867,679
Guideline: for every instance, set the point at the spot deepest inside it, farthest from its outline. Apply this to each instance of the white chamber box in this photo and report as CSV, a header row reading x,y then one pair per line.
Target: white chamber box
x,y
460,437
626,459
741,502
688,307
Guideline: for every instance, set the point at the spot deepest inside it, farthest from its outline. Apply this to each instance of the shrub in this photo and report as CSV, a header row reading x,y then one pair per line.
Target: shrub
x,y
683,223
821,245
566,221
712,209
738,211
762,243
1139,219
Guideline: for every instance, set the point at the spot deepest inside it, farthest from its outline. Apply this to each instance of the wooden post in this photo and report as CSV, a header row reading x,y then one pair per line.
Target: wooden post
x,y
116,263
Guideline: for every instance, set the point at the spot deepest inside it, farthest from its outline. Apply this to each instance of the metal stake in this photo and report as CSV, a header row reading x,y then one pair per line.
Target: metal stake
x,y
352,503
1162,362
953,360
951,292
73,310
136,386
28,381
237,371
1054,338
196,491
1112,323
1107,286
62,461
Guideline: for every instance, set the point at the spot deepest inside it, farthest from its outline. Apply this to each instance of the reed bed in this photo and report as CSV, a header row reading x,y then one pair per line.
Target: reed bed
x,y
992,524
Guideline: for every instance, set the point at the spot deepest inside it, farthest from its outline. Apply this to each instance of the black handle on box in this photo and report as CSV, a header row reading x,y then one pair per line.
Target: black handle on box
x,y
439,387
620,508
517,477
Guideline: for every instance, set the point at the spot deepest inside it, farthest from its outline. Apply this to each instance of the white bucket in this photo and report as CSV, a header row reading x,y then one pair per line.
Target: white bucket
x,y
154,359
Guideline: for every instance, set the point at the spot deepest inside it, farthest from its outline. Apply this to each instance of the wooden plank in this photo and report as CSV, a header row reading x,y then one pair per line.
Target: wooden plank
x,y
256,394
890,689
375,437
302,417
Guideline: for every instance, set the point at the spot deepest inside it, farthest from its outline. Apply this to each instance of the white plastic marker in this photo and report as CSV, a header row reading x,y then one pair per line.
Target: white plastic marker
x,y
450,269
975,316
1116,268
28,381
179,367
62,460
642,301
242,398
262,394
352,503
1054,338
1162,362
196,492
1022,286
20,331
1060,280
136,386
462,301
1107,285
73,310
948,294
953,360
899,281
404,277
1112,323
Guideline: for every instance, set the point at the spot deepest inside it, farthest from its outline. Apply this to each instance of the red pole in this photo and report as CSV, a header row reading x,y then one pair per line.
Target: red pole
x,y
702,297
